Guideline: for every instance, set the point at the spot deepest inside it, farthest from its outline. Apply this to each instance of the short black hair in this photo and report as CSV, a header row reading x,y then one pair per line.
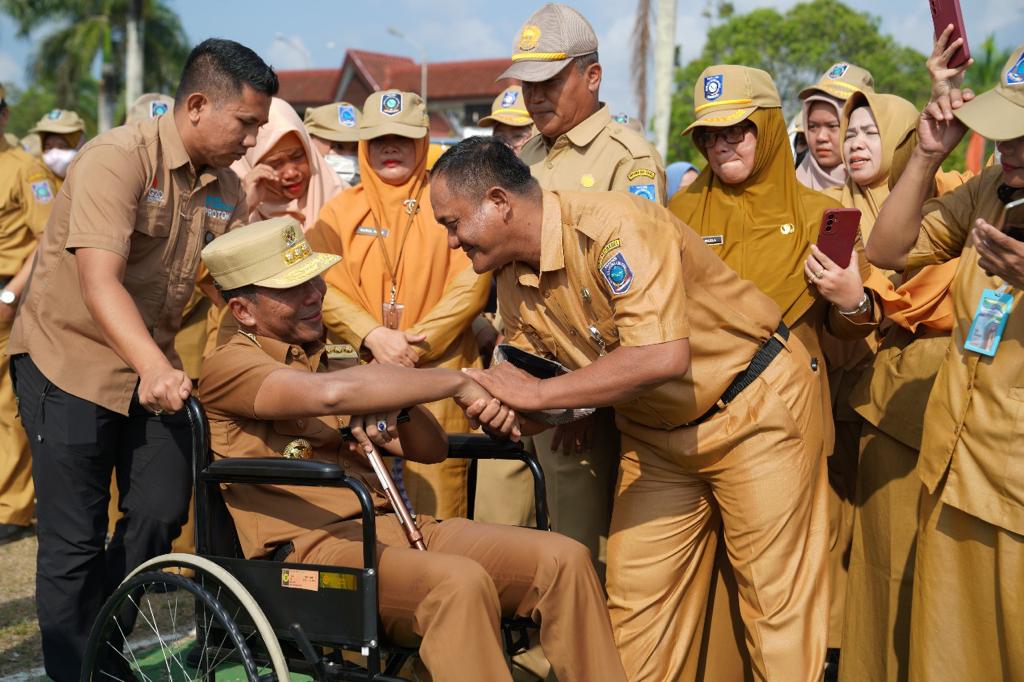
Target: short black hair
x,y
476,164
585,61
247,291
219,68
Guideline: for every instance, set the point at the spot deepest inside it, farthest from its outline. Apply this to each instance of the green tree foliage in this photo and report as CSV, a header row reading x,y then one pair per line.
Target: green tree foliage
x,y
80,32
31,104
796,47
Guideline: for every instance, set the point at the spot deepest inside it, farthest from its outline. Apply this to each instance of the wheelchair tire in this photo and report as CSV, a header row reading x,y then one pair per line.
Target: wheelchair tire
x,y
177,618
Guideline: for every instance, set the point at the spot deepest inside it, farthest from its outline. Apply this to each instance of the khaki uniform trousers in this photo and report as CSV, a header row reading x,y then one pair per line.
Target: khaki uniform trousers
x,y
967,620
504,492
756,470
17,494
842,479
580,486
450,598
876,634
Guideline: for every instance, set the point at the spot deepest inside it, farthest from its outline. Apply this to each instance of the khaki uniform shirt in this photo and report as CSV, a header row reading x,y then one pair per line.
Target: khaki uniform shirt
x,y
132,191
598,155
974,423
618,270
26,196
267,516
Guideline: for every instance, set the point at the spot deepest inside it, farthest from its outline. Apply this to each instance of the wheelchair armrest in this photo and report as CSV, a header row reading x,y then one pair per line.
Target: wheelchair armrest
x,y
469,446
273,470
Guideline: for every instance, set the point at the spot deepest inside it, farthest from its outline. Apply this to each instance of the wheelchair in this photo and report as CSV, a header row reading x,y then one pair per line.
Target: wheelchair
x,y
215,613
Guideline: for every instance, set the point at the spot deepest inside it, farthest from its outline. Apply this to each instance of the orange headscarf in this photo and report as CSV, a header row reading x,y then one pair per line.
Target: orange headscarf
x,y
416,245
750,215
323,181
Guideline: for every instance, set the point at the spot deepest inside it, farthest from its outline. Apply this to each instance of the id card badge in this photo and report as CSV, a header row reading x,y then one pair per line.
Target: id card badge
x,y
989,321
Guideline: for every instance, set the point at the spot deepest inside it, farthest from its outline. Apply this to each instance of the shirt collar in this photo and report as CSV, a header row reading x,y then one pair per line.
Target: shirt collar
x,y
175,152
289,353
552,253
590,127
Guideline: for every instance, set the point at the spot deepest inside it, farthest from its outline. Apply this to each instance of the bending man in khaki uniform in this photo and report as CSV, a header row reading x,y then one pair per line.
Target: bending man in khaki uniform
x,y
581,148
272,388
716,402
967,618
26,194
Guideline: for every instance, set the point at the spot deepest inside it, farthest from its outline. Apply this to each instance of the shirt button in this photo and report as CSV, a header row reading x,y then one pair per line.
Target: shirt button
x,y
294,351
572,332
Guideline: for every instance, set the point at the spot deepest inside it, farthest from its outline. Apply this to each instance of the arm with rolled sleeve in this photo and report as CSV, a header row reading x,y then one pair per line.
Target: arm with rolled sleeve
x,y
462,300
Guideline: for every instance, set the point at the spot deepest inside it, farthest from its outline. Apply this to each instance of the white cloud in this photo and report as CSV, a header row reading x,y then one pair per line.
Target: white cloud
x,y
288,52
10,70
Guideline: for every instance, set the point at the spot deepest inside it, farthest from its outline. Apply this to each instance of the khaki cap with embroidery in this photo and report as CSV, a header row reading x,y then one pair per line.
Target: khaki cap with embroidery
x,y
270,253
338,122
726,94
393,112
508,108
551,38
61,121
999,113
149,105
841,80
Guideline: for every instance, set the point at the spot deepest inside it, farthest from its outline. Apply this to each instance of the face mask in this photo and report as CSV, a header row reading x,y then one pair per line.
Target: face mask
x,y
58,160
345,165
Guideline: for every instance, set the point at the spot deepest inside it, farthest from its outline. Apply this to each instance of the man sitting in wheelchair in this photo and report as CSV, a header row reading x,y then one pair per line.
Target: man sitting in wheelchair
x,y
275,389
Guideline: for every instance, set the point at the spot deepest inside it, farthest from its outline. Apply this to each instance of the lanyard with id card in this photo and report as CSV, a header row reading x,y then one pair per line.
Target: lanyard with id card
x,y
989,321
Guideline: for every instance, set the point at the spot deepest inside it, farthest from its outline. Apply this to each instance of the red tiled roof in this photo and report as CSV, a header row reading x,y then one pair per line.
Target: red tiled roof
x,y
305,86
453,80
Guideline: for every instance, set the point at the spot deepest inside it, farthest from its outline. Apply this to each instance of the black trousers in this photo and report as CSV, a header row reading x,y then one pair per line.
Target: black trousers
x,y
76,446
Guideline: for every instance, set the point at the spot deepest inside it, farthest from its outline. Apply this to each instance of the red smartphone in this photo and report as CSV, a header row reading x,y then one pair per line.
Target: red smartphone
x,y
944,13
838,233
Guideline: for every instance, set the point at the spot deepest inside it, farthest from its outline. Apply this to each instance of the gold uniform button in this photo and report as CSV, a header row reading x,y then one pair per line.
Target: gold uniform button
x,y
294,351
572,332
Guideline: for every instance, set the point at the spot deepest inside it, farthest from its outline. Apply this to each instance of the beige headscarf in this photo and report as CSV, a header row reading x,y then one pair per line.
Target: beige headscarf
x,y
809,173
323,181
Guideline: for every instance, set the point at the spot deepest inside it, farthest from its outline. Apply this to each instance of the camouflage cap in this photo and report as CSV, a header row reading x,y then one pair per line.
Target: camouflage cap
x,y
551,38
726,94
269,253
999,113
841,80
508,108
393,112
337,122
149,105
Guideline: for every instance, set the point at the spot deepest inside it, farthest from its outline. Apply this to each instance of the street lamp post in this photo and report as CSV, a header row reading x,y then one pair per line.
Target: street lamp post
x,y
423,60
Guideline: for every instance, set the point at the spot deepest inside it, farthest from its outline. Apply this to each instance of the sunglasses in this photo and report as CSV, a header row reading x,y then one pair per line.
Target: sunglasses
x,y
707,137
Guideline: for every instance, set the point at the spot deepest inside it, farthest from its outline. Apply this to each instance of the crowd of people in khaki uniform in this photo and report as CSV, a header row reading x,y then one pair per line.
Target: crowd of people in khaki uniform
x,y
794,470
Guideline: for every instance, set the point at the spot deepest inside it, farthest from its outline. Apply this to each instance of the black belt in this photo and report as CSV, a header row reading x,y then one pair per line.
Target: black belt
x,y
762,358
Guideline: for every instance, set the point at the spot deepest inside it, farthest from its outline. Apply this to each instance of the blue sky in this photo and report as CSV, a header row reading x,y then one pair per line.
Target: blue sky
x,y
308,33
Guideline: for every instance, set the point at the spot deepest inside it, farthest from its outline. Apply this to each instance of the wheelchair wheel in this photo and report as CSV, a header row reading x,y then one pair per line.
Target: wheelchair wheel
x,y
163,625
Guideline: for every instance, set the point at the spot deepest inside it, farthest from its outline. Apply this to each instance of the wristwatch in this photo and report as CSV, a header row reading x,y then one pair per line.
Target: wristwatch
x,y
8,297
863,307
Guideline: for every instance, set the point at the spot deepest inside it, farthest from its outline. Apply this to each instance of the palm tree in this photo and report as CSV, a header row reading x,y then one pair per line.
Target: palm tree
x,y
664,54
88,31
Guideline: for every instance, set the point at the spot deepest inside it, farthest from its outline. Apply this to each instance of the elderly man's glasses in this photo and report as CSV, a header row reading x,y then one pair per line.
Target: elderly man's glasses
x,y
707,137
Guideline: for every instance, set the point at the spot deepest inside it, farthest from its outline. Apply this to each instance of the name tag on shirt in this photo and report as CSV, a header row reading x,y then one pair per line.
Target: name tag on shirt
x,y
371,231
989,322
714,239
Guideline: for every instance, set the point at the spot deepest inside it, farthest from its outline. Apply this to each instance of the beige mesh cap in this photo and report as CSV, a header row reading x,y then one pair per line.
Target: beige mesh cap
x,y
338,122
508,108
999,113
393,112
271,253
60,121
726,94
150,105
841,80
554,36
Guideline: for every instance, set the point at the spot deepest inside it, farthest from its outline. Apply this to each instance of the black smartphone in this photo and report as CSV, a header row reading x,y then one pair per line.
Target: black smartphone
x,y
1013,219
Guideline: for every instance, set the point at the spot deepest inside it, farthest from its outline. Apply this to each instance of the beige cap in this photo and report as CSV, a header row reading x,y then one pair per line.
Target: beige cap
x,y
338,122
271,253
726,94
61,121
508,108
393,112
551,38
999,113
33,144
841,80
149,105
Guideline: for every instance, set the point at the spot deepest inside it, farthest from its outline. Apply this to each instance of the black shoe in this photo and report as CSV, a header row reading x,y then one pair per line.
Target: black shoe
x,y
9,532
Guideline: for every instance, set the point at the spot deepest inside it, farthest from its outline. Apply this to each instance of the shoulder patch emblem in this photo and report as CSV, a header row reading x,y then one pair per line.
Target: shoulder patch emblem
x,y
157,109
618,274
587,180
641,173
645,191
713,87
714,239
42,191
